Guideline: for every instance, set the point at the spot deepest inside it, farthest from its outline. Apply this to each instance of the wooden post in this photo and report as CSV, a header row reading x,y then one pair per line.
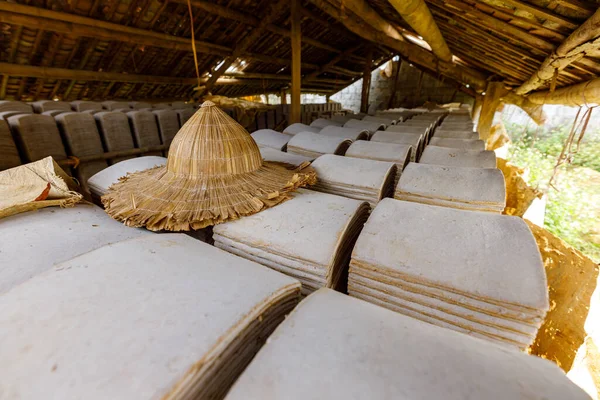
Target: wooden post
x,y
392,100
491,101
283,96
366,84
296,38
476,110
418,94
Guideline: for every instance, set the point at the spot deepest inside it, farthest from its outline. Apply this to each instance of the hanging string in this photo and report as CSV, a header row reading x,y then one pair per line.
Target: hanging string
x,y
194,41
567,153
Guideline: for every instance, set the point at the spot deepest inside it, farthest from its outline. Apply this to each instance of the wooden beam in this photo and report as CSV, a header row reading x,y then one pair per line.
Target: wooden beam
x,y
581,94
366,82
274,13
41,18
542,13
331,63
368,14
253,21
34,17
412,53
584,39
296,42
417,15
8,69
495,24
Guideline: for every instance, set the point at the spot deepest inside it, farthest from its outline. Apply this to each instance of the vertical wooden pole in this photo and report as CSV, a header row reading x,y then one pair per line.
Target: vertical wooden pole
x,y
419,85
491,101
296,37
366,84
392,100
283,96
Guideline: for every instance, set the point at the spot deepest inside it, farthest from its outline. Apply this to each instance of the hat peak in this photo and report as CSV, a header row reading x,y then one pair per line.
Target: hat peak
x,y
208,103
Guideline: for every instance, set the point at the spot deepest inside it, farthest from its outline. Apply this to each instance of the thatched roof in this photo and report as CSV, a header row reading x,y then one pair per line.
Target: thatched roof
x,y
141,49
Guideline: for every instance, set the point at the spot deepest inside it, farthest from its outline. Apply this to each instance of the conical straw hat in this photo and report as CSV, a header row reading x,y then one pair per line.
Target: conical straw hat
x,y
214,173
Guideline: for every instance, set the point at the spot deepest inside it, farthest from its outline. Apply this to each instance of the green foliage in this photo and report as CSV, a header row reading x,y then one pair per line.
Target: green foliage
x,y
573,206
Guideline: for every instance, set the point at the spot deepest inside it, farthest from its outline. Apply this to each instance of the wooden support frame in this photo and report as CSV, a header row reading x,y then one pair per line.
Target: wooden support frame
x,y
296,41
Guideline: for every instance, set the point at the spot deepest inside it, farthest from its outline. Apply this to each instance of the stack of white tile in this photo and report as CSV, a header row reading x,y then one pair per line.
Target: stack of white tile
x,y
160,316
323,123
458,157
34,241
467,144
348,133
269,154
475,189
296,128
416,140
473,272
339,348
356,178
371,126
100,182
309,237
314,144
400,154
270,138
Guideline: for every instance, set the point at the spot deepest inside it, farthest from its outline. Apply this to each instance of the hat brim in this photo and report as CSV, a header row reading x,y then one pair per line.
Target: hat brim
x,y
159,200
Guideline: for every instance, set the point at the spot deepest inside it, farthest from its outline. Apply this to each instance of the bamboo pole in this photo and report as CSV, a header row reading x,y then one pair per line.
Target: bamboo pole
x,y
584,39
585,93
410,52
296,40
417,15
366,82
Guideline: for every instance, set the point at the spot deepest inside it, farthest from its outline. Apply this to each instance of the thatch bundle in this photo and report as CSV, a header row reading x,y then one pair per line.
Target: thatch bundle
x,y
214,173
